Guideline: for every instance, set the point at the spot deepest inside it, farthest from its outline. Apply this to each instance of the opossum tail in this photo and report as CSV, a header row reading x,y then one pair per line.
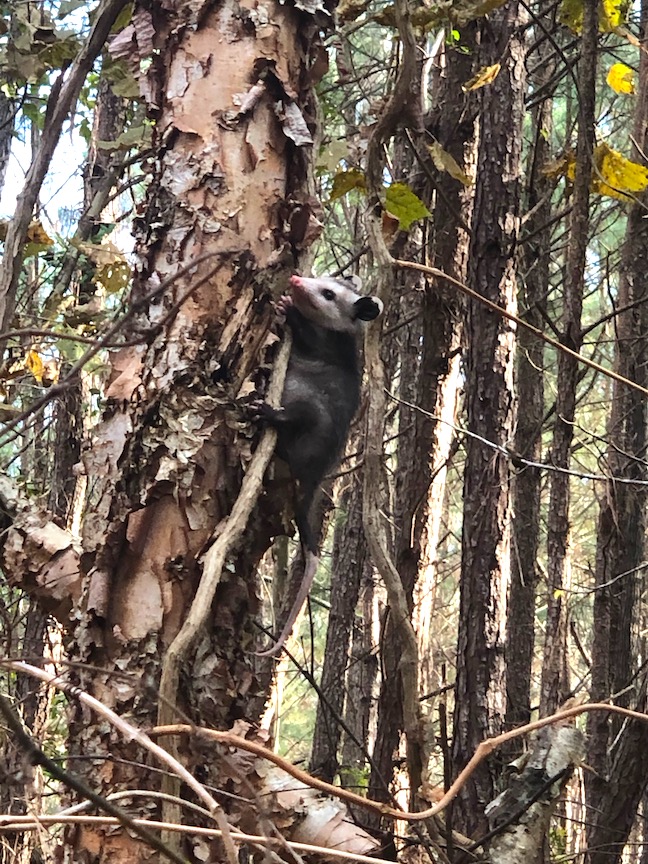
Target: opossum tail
x,y
310,568
303,505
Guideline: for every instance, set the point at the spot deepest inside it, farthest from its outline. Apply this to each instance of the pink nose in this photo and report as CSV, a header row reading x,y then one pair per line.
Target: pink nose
x,y
296,280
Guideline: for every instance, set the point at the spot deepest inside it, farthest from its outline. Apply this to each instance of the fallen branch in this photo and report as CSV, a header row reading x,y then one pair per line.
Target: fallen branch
x,y
10,822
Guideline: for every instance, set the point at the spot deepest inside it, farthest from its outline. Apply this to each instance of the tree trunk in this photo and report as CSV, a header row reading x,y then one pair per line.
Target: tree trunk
x,y
618,752
231,94
7,113
520,637
485,566
348,564
554,687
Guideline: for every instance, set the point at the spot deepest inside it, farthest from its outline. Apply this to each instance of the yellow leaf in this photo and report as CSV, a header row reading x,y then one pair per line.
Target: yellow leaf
x,y
612,14
35,364
612,173
445,162
621,78
616,176
486,75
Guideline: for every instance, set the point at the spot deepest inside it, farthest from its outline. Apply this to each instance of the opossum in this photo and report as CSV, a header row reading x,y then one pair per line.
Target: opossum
x,y
320,396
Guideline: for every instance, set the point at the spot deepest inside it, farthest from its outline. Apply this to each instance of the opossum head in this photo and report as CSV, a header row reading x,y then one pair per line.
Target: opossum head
x,y
333,304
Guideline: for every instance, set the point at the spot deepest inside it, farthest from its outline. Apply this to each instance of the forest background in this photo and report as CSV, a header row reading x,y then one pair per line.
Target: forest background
x,y
482,166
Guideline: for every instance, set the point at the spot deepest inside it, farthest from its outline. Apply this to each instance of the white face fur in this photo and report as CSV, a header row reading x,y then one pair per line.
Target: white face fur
x,y
333,303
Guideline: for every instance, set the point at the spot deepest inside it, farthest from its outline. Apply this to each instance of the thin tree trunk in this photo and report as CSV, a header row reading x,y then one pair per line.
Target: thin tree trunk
x,y
618,752
485,566
555,683
7,113
348,563
520,637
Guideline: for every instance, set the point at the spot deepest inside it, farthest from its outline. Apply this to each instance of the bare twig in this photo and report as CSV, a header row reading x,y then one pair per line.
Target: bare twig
x,y
559,346
28,823
106,340
232,740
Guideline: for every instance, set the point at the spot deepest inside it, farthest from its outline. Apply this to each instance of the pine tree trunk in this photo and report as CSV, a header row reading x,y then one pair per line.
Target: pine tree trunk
x,y
555,683
485,566
618,751
520,639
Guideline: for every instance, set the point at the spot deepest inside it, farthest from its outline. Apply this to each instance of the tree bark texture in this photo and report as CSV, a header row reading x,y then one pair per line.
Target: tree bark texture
x,y
7,110
348,563
485,566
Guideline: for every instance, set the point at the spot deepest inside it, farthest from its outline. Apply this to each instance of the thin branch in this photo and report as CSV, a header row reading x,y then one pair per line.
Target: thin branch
x,y
515,458
106,340
130,732
381,808
559,346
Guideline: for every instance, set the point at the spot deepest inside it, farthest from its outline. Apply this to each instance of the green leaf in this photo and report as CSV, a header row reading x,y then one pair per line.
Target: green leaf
x,y
407,207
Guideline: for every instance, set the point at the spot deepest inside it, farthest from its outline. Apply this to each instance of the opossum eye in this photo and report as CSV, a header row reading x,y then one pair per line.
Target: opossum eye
x,y
327,294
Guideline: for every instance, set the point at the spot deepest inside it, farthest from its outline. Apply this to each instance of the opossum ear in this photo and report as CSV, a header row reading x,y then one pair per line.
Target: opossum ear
x,y
355,281
367,308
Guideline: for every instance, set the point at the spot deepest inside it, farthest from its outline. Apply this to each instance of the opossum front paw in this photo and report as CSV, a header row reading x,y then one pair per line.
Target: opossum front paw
x,y
282,305
260,410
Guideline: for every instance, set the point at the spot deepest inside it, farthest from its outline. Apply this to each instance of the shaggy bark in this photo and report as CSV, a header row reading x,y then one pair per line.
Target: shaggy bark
x,y
231,96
